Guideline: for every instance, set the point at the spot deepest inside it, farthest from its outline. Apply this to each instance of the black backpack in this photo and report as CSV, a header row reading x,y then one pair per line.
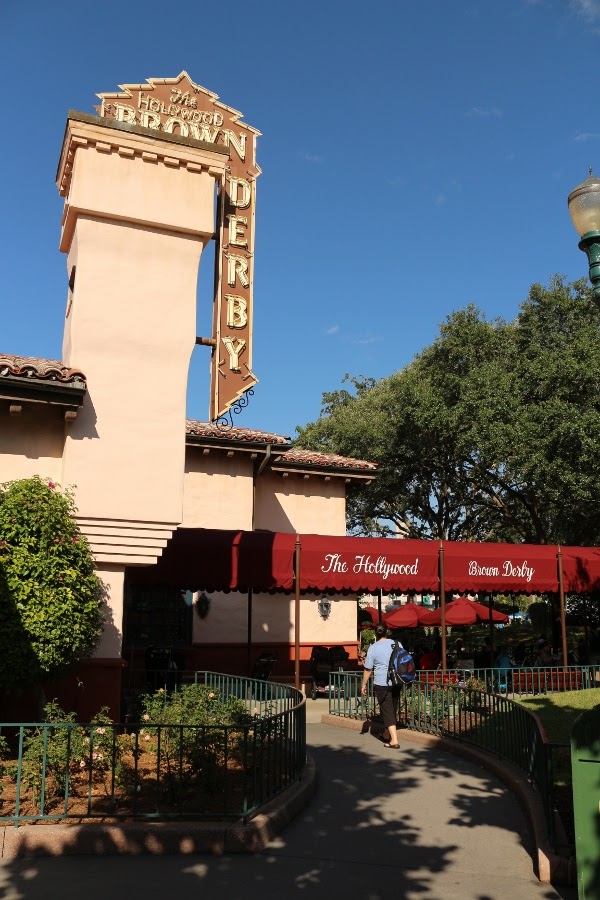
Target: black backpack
x,y
401,668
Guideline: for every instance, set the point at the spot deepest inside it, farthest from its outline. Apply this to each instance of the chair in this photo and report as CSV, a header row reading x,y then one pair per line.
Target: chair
x,y
263,666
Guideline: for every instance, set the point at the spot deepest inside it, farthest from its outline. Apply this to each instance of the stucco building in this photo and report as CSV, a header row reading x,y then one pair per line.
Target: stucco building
x,y
110,417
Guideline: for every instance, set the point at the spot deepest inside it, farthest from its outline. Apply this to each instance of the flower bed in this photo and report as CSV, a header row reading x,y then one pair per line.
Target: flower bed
x,y
191,754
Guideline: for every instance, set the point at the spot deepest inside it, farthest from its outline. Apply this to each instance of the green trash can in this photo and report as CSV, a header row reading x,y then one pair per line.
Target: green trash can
x,y
585,764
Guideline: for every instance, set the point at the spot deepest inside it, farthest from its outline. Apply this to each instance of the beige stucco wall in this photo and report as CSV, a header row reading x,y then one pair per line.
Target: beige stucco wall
x,y
218,493
217,490
111,643
273,620
297,504
32,442
138,212
132,332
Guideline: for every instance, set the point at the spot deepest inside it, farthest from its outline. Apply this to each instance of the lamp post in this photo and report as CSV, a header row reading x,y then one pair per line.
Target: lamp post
x,y
584,207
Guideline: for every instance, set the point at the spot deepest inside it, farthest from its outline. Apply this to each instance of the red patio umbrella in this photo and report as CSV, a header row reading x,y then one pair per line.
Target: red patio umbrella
x,y
464,612
373,612
409,616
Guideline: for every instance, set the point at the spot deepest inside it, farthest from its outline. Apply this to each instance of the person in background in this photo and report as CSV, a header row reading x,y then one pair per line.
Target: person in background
x,y
388,697
460,652
485,658
430,659
583,657
503,664
544,657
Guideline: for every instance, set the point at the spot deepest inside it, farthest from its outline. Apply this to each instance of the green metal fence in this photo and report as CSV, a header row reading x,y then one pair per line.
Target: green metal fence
x,y
65,770
473,715
519,680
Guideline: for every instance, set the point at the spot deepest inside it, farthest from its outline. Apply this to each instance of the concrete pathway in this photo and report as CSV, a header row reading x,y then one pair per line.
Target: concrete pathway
x,y
416,824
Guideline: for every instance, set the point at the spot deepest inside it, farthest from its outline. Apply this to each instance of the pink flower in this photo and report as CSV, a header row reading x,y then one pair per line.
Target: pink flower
x,y
146,717
51,485
146,737
82,764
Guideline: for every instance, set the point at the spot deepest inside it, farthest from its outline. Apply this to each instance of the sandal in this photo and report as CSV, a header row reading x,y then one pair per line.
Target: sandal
x,y
392,746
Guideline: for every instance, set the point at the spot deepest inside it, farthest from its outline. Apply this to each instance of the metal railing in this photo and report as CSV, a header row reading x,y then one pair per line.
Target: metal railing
x,y
451,707
146,770
519,680
258,693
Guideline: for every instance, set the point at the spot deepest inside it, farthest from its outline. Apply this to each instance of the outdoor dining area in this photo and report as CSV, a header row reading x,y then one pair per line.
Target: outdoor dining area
x,y
489,662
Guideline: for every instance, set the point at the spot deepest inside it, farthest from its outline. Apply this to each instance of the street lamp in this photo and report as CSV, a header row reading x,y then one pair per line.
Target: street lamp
x,y
584,206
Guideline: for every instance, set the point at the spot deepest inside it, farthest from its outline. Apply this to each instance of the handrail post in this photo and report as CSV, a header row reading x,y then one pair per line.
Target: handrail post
x,y
442,605
563,622
297,616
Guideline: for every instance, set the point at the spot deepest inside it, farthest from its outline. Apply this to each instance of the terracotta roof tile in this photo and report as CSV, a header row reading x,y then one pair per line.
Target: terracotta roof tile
x,y
292,456
208,430
42,369
296,456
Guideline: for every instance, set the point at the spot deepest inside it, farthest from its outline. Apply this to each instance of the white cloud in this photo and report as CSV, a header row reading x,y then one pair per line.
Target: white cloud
x,y
484,112
589,10
587,136
367,340
440,199
333,329
310,157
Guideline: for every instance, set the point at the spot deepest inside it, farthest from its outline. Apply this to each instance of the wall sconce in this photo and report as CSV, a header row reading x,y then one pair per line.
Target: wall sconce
x,y
324,607
202,605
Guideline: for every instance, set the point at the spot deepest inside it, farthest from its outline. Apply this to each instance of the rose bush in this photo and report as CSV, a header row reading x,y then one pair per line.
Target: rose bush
x,y
50,596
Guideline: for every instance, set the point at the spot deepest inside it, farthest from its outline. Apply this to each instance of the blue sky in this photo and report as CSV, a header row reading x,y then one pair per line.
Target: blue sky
x,y
416,157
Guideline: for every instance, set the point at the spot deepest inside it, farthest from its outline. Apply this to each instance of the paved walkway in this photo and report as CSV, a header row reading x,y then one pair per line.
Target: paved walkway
x,y
415,824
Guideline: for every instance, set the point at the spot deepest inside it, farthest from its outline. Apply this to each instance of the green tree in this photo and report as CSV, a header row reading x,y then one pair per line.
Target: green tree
x,y
488,434
50,596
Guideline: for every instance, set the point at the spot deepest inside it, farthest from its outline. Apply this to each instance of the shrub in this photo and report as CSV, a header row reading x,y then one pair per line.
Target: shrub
x,y
49,593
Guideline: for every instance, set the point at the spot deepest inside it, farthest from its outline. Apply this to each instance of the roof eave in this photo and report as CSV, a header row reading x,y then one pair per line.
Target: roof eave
x,y
225,444
329,471
33,390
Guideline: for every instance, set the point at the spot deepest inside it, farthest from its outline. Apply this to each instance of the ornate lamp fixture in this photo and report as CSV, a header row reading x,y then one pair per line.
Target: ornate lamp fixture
x,y
324,607
202,605
584,207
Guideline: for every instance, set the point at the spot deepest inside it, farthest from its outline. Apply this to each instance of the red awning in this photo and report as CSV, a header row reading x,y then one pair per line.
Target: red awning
x,y
213,560
354,565
581,569
520,568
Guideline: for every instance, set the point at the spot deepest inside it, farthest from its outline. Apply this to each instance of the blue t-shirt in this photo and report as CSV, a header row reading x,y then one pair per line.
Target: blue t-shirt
x,y
378,659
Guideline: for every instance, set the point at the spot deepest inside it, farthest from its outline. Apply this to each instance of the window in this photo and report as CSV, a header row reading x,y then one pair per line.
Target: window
x,y
156,616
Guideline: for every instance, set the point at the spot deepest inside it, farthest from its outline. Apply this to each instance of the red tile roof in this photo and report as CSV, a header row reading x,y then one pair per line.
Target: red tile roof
x,y
250,435
288,457
39,369
296,456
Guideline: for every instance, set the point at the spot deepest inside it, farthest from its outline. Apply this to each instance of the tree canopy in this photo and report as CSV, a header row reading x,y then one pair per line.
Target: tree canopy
x,y
50,596
491,433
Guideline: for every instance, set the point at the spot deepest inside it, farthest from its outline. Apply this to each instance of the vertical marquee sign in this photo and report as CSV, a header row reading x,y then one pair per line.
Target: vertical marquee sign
x,y
180,107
